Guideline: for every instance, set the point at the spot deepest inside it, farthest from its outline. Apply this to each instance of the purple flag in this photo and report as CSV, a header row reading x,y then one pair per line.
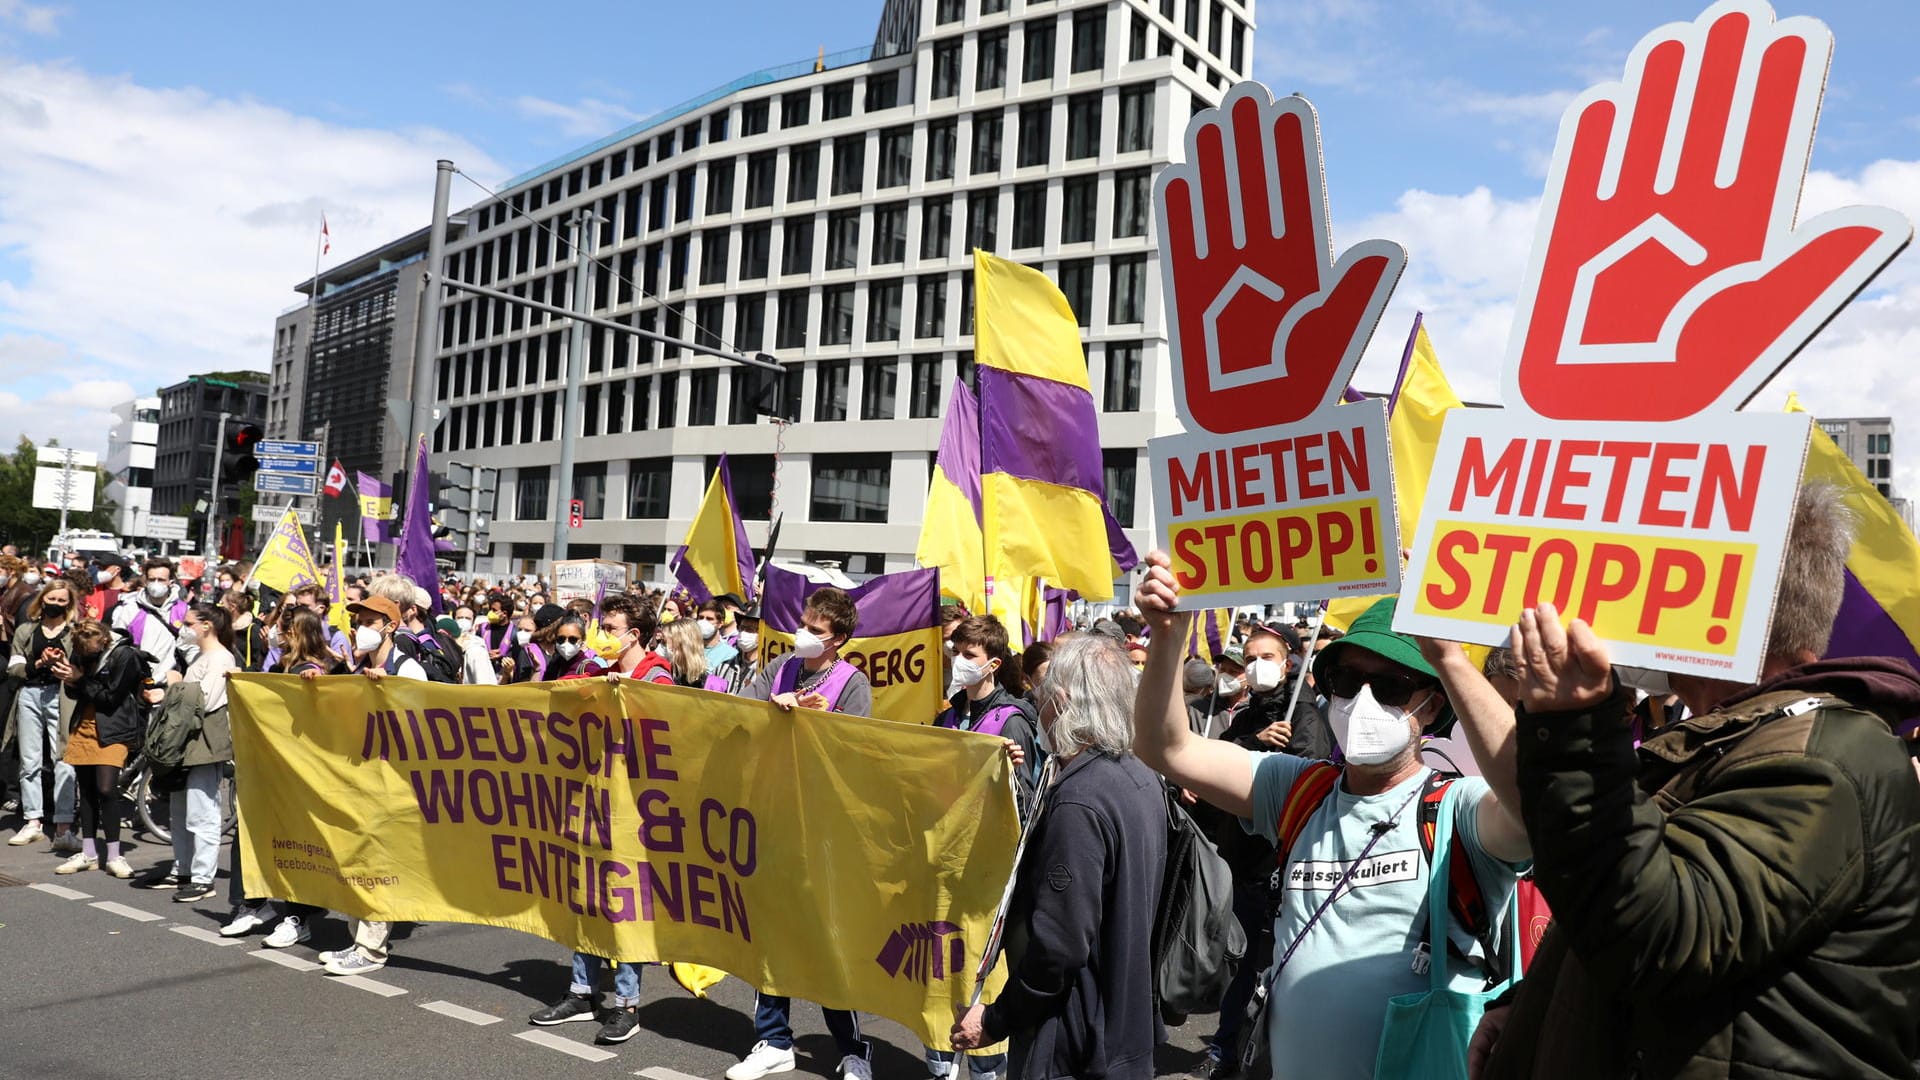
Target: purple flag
x,y
415,559
376,509
896,603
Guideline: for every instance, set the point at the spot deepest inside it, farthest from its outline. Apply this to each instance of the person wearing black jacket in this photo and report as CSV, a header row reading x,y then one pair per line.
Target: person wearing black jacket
x,y
105,677
1263,721
984,685
1078,1001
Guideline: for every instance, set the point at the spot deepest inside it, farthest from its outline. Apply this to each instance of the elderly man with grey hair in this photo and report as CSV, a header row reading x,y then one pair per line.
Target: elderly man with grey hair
x,y
1742,898
1079,994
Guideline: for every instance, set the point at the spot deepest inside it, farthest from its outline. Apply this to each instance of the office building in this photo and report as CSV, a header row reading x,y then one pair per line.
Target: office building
x,y
132,444
1868,441
189,435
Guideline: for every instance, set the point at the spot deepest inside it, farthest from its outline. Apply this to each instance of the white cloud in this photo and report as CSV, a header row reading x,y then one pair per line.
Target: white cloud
x,y
150,233
33,18
586,118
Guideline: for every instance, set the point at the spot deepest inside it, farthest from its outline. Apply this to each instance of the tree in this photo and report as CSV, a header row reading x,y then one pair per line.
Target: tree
x,y
31,528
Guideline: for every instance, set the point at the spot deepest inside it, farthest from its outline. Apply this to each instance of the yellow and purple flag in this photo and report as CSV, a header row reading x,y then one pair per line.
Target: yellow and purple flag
x,y
286,562
716,558
1212,632
337,615
1880,607
896,645
950,536
376,509
1043,489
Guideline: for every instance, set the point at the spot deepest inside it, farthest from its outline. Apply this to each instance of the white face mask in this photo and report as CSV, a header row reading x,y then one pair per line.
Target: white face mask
x,y
465,625
103,577
1227,686
1368,732
157,590
367,638
30,578
748,639
522,637
1265,676
273,635
967,673
567,649
807,645
708,628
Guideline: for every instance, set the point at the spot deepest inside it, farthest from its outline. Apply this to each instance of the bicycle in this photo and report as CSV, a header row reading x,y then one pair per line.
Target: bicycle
x,y
151,810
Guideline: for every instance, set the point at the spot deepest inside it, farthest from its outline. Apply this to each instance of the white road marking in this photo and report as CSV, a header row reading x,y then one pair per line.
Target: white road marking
x,y
661,1072
62,892
201,933
566,1046
284,960
460,1012
126,912
371,986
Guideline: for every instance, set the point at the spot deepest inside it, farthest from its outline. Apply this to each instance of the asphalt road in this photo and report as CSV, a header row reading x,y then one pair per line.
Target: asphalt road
x,y
100,980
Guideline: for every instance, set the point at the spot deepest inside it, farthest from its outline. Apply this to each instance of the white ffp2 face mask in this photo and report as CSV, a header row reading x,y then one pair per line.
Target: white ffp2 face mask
x,y
367,638
967,673
1368,732
748,639
1265,676
708,628
807,645
522,637
567,649
1227,686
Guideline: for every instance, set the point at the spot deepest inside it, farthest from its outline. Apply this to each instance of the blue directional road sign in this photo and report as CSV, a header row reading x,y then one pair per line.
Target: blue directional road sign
x,y
279,483
304,466
282,448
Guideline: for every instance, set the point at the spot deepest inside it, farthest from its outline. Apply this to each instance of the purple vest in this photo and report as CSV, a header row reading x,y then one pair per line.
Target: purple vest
x,y
991,724
787,680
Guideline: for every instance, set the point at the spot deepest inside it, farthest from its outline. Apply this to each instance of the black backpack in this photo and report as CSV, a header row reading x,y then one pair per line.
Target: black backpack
x,y
437,656
1197,941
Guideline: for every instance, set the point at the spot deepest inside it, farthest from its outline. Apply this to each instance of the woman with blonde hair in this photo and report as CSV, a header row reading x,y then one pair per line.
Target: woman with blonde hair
x,y
104,676
41,712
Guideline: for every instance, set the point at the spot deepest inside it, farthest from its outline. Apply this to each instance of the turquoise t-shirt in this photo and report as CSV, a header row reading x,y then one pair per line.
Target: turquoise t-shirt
x,y
1330,1002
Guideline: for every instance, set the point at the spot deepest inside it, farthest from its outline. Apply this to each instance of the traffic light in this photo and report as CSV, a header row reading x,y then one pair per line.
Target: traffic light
x,y
464,501
237,462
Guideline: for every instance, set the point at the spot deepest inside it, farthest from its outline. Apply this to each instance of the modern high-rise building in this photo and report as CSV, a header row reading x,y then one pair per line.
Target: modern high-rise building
x,y
189,437
131,447
825,213
1868,440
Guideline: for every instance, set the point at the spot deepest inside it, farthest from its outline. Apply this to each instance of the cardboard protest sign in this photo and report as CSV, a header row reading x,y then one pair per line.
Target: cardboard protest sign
x,y
587,579
1276,491
1668,282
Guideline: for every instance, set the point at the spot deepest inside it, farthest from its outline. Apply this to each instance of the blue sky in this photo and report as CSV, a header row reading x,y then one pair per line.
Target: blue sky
x,y
172,158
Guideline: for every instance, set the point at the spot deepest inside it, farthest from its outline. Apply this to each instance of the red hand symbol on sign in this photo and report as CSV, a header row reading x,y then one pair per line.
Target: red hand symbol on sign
x,y
1265,326
1668,276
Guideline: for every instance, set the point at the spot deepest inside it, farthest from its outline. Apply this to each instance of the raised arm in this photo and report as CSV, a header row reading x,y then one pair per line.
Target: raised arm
x,y
1217,771
1487,720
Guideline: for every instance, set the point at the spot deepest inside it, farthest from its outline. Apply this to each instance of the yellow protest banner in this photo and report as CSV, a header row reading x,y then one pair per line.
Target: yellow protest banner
x,y
286,563
897,644
852,862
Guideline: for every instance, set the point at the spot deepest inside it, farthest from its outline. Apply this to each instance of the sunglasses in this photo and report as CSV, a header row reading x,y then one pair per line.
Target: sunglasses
x,y
575,640
1389,687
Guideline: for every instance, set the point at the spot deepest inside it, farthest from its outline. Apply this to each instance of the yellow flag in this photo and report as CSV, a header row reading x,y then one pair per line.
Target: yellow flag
x,y
716,558
337,616
286,563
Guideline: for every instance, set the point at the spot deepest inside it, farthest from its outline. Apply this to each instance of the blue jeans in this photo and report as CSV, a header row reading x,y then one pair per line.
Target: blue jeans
x,y
981,1064
626,979
194,813
1250,908
39,713
773,1025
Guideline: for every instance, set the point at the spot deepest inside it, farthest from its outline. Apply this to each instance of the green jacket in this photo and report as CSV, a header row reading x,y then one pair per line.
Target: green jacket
x,y
1740,900
17,669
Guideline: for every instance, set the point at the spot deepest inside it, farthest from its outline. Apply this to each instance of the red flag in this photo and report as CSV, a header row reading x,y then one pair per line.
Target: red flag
x,y
336,479
326,238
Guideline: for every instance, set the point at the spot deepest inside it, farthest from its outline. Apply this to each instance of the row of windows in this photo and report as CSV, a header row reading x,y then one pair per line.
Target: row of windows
x,y
1088,48
852,488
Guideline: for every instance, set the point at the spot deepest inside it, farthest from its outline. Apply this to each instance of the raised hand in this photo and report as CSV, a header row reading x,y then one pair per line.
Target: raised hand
x,y
1562,669
1266,327
1668,276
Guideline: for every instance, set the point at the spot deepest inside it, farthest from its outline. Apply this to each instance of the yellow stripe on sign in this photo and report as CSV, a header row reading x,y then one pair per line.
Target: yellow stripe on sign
x,y
1336,544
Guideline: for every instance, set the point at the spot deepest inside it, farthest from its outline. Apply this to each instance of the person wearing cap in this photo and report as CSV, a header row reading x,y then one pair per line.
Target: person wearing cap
x,y
1352,909
110,578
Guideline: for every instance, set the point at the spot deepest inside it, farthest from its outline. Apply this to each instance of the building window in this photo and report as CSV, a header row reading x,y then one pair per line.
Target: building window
x,y
1239,48
1193,19
1036,134
1127,299
925,400
946,69
803,173
1089,40
990,67
1076,283
889,234
936,227
756,245
987,128
992,7
649,487
760,171
851,487
1123,377
530,496
1132,202
849,163
750,322
1081,194
713,257
930,307
896,157
791,332
796,109
1030,215
1083,126
877,387
1138,30
983,217
1119,468
836,315
950,11
796,246
669,399
703,397
941,140
883,91
836,101
843,239
752,476
683,198
1214,27
590,488
883,311
1136,118
753,118
830,390
1036,62
720,187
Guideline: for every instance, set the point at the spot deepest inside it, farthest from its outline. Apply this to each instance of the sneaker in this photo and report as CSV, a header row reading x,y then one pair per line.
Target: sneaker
x,y
765,1060
985,1075
28,833
291,931
330,955
119,868
159,879
189,891
621,1025
855,1067
565,1011
66,843
246,919
77,864
353,962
